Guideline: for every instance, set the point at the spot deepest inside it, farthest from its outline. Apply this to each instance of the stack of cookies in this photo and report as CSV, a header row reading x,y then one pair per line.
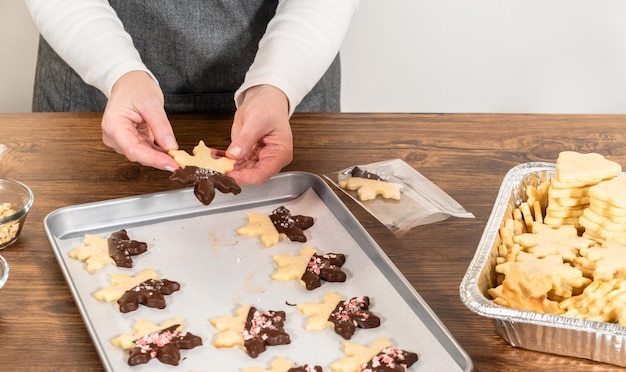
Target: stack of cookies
x,y
551,268
574,175
606,216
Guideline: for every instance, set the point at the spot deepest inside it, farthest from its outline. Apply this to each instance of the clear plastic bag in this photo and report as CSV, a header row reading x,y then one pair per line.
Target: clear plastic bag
x,y
421,201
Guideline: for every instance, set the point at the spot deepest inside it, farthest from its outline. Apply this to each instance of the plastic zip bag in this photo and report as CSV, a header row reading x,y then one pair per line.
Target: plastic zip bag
x,y
421,201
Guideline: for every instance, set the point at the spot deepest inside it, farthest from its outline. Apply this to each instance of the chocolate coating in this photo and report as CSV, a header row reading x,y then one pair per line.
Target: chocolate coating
x,y
305,368
149,293
264,329
353,313
121,248
358,172
391,360
205,181
324,267
164,345
292,226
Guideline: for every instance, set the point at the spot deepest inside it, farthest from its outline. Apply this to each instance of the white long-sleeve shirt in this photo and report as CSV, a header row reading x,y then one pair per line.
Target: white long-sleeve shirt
x,y
299,44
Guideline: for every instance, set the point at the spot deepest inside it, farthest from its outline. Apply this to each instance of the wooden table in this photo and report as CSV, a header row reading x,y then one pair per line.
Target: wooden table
x,y
61,157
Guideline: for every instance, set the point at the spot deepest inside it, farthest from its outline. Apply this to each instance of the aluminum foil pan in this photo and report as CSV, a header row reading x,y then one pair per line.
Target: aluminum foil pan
x,y
598,341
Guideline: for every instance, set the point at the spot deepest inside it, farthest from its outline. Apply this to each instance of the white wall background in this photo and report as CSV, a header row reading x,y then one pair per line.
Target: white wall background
x,y
533,56
18,51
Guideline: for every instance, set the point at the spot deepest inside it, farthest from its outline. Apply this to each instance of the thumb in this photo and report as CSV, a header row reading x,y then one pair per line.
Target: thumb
x,y
243,140
161,129
238,149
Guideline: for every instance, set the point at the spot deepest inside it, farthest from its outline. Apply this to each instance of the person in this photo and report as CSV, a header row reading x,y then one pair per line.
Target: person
x,y
136,61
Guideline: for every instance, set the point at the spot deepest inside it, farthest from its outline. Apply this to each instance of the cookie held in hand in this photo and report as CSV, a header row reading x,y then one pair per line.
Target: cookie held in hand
x,y
204,182
204,172
202,158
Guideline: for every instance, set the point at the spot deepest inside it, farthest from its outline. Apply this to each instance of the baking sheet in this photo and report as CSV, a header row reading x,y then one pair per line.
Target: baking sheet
x,y
198,246
599,341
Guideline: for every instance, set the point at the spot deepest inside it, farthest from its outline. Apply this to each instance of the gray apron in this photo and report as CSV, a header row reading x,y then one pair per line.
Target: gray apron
x,y
199,50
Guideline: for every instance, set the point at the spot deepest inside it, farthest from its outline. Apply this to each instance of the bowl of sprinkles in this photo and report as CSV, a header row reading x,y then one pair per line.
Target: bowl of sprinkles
x,y
16,199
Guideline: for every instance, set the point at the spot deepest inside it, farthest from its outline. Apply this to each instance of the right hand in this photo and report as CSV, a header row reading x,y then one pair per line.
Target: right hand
x,y
262,142
134,122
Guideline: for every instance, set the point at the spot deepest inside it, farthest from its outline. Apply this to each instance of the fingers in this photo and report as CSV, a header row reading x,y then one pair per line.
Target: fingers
x,y
160,127
261,163
123,136
134,122
252,172
262,141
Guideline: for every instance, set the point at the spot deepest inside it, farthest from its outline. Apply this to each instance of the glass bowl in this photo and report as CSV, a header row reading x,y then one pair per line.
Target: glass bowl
x,y
15,202
4,271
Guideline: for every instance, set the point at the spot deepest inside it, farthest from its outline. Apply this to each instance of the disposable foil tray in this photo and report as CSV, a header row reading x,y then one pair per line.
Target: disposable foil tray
x,y
599,341
219,270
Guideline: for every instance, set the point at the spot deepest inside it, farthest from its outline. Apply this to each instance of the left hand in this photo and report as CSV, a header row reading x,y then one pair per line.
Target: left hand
x,y
262,141
135,124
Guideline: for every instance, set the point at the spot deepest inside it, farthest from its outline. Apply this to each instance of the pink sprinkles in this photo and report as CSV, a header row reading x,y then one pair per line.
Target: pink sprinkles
x,y
260,322
389,357
350,308
316,264
158,339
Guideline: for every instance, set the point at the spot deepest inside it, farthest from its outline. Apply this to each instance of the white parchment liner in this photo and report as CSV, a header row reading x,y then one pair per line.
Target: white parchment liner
x,y
219,270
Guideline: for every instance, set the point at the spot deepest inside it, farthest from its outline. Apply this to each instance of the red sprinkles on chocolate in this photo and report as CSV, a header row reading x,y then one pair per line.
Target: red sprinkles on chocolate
x,y
353,313
292,226
390,359
264,329
324,267
163,345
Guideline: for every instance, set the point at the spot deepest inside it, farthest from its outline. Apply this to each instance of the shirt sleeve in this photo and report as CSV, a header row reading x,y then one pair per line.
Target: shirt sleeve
x,y
300,43
89,36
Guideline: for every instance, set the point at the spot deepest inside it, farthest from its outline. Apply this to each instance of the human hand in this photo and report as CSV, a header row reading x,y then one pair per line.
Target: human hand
x,y
134,122
261,136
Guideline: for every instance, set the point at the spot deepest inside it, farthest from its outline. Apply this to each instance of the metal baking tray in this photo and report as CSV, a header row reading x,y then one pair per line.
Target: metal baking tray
x,y
198,246
598,341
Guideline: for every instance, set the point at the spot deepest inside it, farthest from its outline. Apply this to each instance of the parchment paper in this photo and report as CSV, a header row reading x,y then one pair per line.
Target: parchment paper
x,y
220,270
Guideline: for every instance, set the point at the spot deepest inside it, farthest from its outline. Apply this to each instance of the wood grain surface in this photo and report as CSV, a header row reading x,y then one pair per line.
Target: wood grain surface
x,y
62,158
